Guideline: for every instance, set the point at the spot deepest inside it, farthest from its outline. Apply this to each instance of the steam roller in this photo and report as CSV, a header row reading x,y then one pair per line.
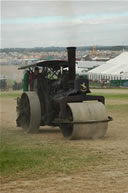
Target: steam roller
x,y
62,98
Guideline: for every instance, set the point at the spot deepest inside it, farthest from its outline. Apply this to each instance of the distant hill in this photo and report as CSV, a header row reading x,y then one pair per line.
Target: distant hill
x,y
48,49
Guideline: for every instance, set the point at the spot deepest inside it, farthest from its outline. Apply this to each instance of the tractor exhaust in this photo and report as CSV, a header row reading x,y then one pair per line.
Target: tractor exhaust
x,y
71,60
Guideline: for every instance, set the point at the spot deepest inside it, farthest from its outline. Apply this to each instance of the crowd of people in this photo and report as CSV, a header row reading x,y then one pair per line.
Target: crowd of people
x,y
30,80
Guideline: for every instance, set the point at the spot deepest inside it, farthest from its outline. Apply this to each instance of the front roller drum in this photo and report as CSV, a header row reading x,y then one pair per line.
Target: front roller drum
x,y
86,120
29,112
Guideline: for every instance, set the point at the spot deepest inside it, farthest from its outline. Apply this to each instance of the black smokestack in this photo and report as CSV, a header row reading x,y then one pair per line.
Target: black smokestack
x,y
71,61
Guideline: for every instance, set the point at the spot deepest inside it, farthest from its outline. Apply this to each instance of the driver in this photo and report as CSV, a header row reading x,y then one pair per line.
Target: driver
x,y
33,79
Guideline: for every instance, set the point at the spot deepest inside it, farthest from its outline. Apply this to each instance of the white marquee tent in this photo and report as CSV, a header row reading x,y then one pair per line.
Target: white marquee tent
x,y
114,69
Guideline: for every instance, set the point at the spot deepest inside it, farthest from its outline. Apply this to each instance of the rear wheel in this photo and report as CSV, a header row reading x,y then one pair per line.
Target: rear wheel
x,y
29,112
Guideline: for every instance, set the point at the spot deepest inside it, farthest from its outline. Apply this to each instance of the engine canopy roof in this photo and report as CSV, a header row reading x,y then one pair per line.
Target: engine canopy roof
x,y
54,64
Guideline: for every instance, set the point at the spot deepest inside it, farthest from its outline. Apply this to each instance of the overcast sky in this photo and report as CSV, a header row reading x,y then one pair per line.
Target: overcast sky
x,y
63,23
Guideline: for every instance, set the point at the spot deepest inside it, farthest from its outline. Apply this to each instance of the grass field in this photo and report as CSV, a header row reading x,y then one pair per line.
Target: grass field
x,y
46,162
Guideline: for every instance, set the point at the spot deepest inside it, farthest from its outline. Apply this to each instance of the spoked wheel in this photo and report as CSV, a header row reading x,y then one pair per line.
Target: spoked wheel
x,y
29,115
85,120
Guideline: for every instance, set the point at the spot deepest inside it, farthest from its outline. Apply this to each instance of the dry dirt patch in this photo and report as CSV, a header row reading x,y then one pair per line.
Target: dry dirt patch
x,y
8,112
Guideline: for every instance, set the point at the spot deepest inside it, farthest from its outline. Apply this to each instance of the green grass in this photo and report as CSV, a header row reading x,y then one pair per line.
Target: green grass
x,y
112,96
10,94
46,159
